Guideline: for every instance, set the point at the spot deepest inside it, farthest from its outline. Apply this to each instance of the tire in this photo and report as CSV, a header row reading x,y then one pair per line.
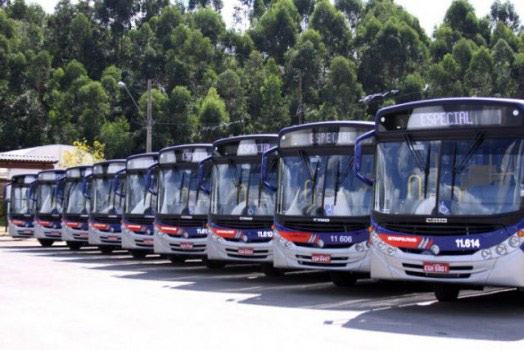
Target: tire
x,y
45,242
105,249
138,254
214,264
343,279
74,245
270,271
176,259
446,293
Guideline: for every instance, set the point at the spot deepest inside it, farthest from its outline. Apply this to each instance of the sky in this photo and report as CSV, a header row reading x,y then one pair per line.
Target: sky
x,y
429,12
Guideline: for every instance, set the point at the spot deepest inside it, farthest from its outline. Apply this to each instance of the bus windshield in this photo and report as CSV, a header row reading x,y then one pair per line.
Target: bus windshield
x,y
74,201
179,193
139,201
20,203
105,199
323,186
47,199
480,176
237,190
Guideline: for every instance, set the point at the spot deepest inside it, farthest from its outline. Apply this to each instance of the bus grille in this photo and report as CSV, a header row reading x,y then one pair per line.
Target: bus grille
x,y
442,230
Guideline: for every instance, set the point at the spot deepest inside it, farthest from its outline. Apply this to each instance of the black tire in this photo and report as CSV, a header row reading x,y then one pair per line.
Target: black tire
x,y
270,271
214,264
45,242
343,279
106,249
446,294
138,254
74,245
176,259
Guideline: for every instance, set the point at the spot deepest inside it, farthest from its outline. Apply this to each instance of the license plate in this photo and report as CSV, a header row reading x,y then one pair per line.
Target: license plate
x,y
148,241
321,258
186,245
430,267
112,238
246,251
54,234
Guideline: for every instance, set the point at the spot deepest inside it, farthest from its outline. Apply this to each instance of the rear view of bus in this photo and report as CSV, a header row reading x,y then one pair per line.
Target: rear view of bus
x,y
449,194
242,209
75,219
140,199
107,202
323,209
181,217
21,207
48,194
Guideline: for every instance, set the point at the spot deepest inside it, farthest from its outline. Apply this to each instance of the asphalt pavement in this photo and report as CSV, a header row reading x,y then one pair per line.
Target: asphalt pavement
x,y
53,298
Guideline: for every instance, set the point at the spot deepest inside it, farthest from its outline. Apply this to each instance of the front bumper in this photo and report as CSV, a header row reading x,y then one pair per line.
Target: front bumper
x,y
102,238
290,256
219,248
41,232
20,232
73,235
134,241
166,244
505,270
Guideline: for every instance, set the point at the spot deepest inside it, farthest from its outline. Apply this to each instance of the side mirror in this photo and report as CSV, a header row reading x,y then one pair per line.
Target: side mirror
x,y
201,175
85,186
150,180
264,168
116,182
357,164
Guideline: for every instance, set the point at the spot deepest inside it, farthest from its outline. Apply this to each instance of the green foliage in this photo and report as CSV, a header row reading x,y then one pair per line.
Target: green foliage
x,y
294,61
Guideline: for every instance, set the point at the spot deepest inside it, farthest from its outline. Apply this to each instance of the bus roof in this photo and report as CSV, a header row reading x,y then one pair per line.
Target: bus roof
x,y
335,123
448,101
185,146
245,137
142,155
111,161
23,175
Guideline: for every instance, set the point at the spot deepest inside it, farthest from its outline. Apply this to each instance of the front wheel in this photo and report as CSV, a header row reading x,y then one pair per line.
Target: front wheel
x,y
74,245
445,293
343,279
45,242
214,264
106,250
138,254
270,271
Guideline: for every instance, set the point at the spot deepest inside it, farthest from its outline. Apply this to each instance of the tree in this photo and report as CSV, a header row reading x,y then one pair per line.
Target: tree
x,y
505,12
115,135
478,78
213,116
331,25
461,17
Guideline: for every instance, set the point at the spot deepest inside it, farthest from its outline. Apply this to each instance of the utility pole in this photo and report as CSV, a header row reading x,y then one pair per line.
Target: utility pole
x,y
149,126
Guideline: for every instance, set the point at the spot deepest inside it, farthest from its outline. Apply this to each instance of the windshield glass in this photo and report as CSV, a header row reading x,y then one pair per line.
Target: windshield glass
x,y
466,177
20,204
323,186
75,201
105,200
139,200
179,193
237,190
47,198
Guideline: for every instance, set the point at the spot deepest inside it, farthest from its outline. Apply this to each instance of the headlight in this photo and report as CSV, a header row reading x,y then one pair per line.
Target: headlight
x,y
501,249
485,254
361,247
514,241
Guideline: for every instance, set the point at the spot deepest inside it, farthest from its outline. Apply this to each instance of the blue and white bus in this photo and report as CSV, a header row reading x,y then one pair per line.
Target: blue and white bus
x,y
75,218
48,194
140,202
107,203
322,211
242,209
20,215
183,206
449,189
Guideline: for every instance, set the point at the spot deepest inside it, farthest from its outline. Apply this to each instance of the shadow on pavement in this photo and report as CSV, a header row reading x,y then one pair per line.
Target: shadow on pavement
x,y
393,307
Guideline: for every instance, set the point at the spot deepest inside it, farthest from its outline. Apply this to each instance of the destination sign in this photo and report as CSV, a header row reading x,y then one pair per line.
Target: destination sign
x,y
141,163
78,172
325,136
20,180
47,176
248,147
187,155
110,168
447,117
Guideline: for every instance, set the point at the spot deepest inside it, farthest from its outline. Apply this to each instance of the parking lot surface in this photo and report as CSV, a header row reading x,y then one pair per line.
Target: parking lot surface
x,y
53,298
